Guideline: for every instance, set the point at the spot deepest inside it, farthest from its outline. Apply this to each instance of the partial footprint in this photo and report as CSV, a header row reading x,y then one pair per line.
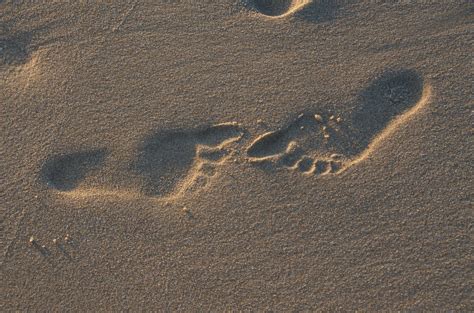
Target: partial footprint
x,y
176,161
325,143
66,172
278,8
310,144
168,163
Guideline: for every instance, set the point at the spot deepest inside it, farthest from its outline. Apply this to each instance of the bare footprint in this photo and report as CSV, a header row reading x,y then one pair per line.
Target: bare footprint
x,y
325,143
167,163
181,161
66,172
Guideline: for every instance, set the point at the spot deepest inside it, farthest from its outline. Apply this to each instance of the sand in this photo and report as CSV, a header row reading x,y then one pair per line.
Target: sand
x,y
236,155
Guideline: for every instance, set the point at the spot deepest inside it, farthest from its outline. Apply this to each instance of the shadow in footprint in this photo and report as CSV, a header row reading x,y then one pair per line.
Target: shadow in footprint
x,y
14,49
166,158
387,97
315,11
65,172
277,142
324,143
273,7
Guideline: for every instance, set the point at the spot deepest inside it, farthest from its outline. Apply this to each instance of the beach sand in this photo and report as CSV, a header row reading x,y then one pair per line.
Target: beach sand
x,y
236,155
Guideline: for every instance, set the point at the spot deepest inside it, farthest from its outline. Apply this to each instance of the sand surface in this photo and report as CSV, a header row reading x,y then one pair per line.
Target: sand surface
x,y
236,155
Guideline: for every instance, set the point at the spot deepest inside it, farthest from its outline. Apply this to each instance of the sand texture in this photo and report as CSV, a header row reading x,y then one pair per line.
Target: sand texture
x,y
236,155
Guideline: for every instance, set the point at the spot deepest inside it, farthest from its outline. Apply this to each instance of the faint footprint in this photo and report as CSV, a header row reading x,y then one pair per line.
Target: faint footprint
x,y
182,161
66,172
325,143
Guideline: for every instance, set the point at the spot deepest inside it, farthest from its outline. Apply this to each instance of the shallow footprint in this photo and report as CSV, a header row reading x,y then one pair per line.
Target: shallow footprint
x,y
172,161
66,172
324,143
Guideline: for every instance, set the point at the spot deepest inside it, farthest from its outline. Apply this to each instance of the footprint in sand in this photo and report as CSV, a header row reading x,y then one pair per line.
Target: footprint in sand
x,y
278,8
328,144
180,161
172,163
167,164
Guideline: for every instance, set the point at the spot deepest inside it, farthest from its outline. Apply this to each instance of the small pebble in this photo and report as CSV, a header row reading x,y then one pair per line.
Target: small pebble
x,y
338,119
55,241
332,117
318,118
32,240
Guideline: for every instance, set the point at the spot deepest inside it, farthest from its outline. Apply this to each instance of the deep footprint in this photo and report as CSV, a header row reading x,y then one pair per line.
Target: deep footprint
x,y
66,172
325,143
169,161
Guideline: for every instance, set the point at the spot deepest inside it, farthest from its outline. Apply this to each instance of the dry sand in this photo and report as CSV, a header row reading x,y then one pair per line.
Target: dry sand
x,y
236,155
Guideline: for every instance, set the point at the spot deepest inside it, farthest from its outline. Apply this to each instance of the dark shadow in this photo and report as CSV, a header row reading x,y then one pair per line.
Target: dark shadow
x,y
42,249
272,7
14,49
17,46
385,98
45,253
270,144
63,250
165,158
65,172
